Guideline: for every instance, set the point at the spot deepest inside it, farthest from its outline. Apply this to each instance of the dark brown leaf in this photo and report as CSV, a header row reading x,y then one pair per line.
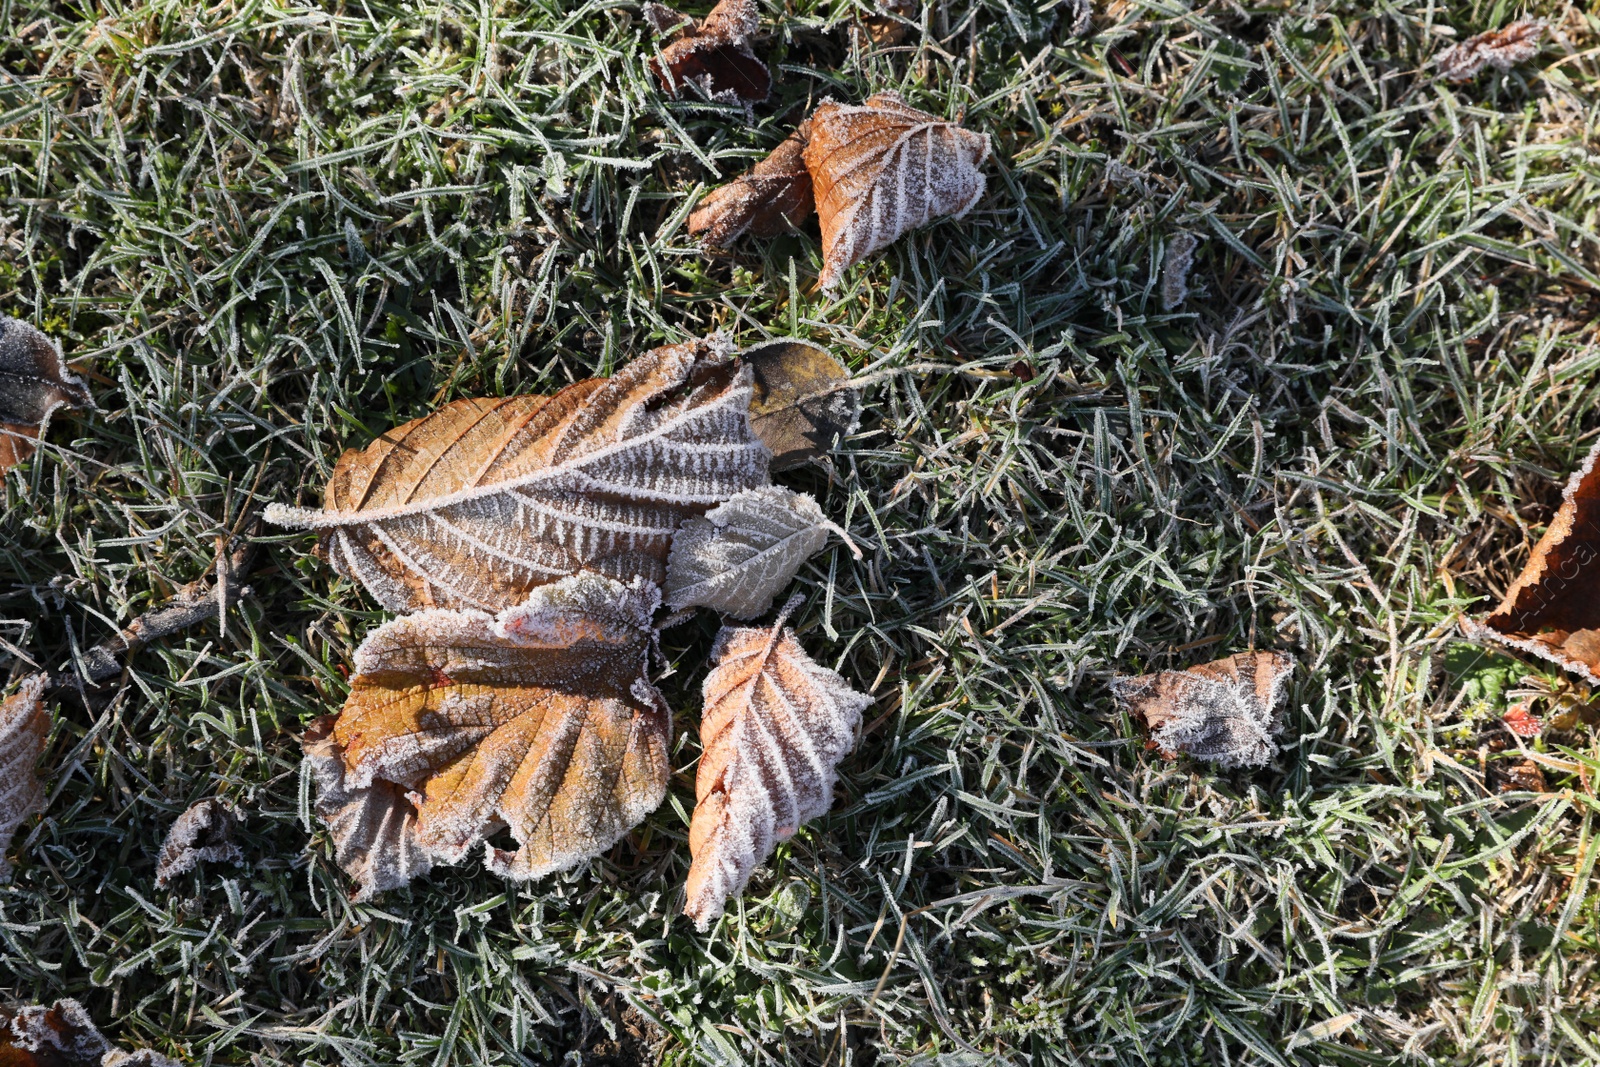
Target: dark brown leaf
x,y
716,57
773,197
1552,610
1225,711
802,404
24,728
63,1035
202,834
34,382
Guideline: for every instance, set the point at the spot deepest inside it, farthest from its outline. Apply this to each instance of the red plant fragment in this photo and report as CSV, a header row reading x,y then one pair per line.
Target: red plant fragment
x,y
1522,722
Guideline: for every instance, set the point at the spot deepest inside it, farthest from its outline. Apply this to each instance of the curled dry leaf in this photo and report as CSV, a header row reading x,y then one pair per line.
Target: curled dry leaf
x,y
63,1035
774,196
741,554
1225,711
715,54
34,382
373,827
882,169
773,729
24,728
482,501
539,719
1501,49
1175,267
202,834
802,403
1552,609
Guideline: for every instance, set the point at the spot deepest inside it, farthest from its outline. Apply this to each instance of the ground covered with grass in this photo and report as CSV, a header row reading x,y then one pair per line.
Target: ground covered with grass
x,y
269,231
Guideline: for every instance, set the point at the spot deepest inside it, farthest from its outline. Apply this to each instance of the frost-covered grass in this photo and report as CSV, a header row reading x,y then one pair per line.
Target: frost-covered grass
x,y
269,231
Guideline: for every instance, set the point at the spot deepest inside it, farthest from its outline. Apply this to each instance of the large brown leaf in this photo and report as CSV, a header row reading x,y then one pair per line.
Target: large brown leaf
x,y
773,729
1553,608
24,728
484,500
882,169
539,719
1225,711
715,55
772,197
33,384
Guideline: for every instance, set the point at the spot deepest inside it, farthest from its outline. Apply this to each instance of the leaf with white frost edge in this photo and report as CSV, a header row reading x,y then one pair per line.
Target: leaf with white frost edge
x,y
24,728
741,554
773,729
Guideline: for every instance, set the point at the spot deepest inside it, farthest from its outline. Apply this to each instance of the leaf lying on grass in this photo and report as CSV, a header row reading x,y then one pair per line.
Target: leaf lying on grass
x,y
1552,609
878,170
63,1035
773,196
202,834
741,554
802,403
539,719
482,501
1225,711
34,382
773,728
24,729
713,55
1501,49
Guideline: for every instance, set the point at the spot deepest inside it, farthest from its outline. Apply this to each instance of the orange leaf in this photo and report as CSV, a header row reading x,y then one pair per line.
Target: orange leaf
x,y
882,169
544,724
483,501
774,727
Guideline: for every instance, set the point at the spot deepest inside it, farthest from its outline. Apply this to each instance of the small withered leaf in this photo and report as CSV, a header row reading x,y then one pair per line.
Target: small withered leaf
x,y
540,720
882,169
1552,610
715,56
202,834
63,1035
663,19
34,382
891,24
479,503
802,403
773,728
1225,711
1501,49
741,554
24,729
772,197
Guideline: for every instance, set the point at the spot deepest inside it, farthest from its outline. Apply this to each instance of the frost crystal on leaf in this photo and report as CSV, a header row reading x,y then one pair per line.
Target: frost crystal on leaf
x,y
202,834
540,720
33,383
483,501
742,553
773,729
714,55
882,169
1175,269
1501,49
774,196
24,728
63,1035
1225,711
